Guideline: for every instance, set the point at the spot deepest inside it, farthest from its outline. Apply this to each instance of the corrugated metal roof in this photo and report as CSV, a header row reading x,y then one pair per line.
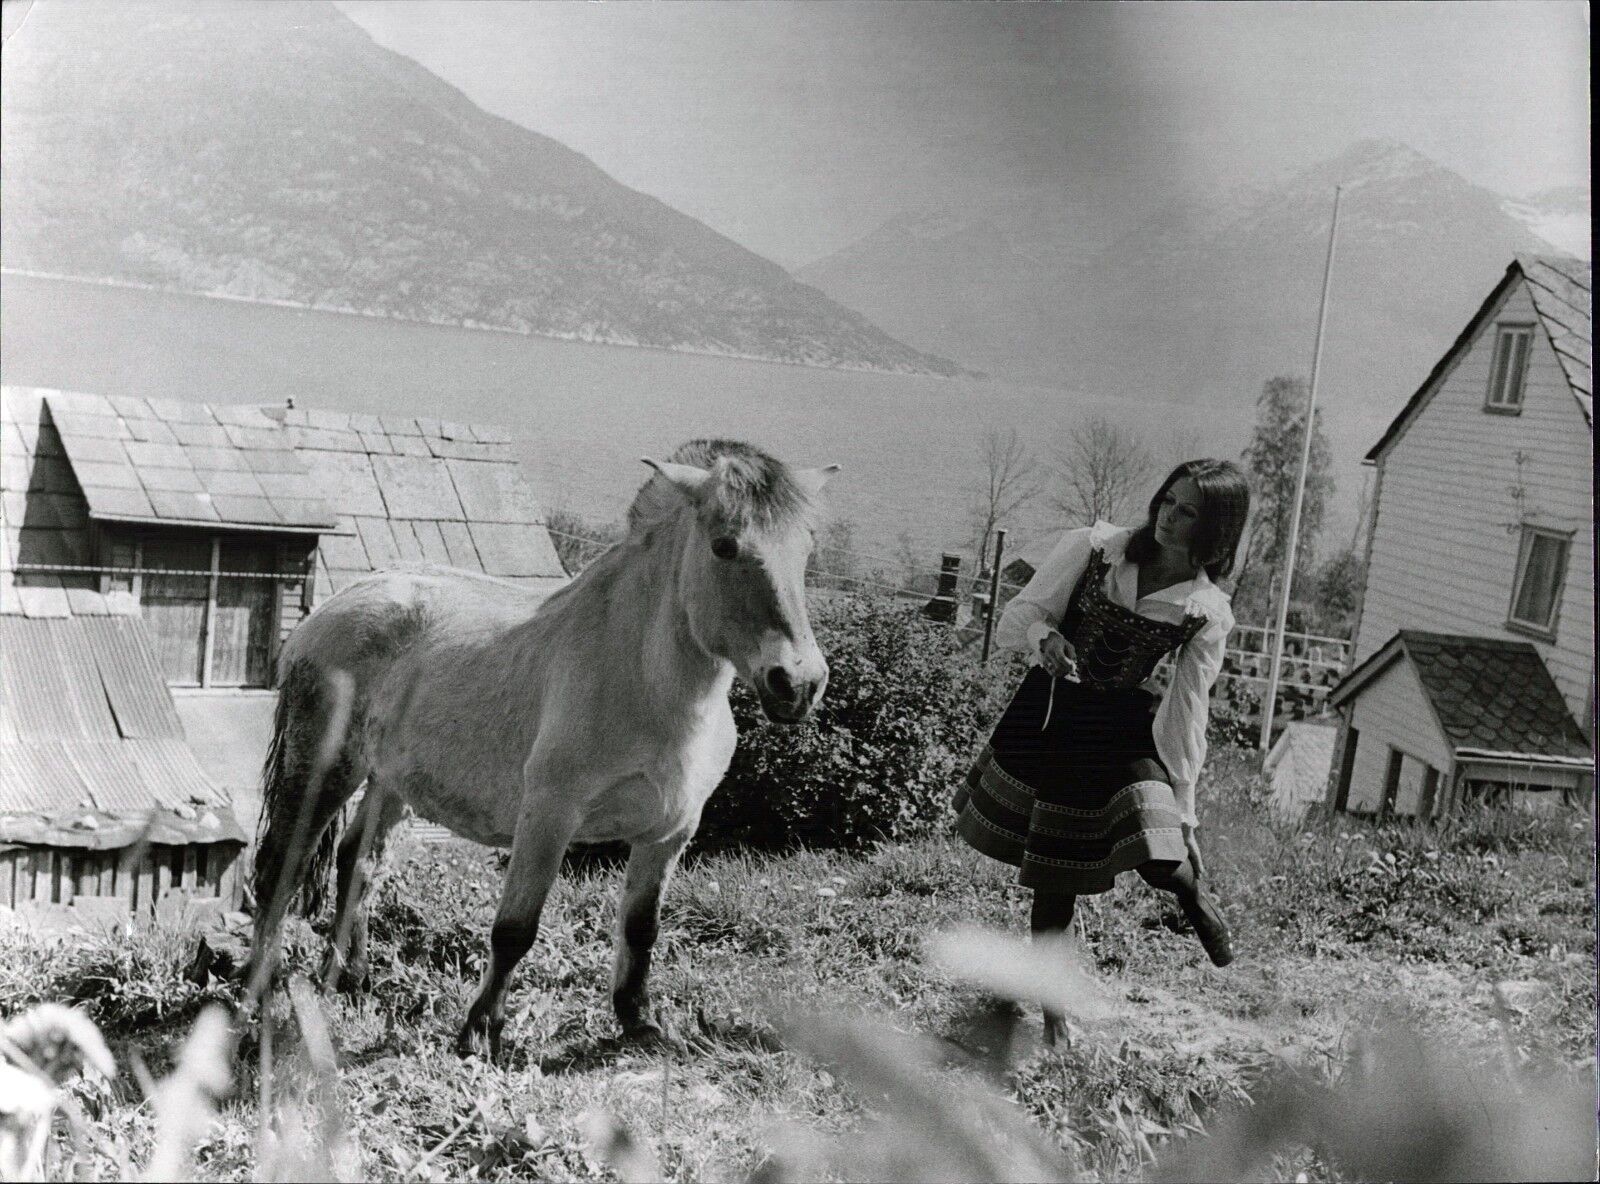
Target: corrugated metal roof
x,y
74,651
34,693
36,777
90,745
132,680
125,463
107,793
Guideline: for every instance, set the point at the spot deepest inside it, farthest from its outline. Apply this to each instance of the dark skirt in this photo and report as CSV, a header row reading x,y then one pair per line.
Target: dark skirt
x,y
1074,801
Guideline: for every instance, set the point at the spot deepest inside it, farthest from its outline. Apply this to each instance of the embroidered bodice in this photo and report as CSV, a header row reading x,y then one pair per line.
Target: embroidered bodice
x,y
1115,646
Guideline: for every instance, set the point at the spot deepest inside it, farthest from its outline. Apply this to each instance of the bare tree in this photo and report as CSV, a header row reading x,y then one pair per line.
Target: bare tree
x,y
1010,482
1103,471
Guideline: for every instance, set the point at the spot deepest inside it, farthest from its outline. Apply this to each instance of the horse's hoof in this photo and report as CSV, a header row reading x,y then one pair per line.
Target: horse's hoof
x,y
348,977
1057,1033
648,1032
478,1040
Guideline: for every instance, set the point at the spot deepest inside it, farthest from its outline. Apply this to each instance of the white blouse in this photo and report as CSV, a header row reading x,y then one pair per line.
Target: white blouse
x,y
1180,724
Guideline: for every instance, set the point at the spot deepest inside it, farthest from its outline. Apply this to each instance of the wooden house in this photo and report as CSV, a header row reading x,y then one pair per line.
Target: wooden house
x,y
1472,671
196,537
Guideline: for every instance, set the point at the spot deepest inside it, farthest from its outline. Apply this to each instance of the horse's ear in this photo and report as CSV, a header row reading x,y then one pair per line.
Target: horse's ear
x,y
688,478
812,480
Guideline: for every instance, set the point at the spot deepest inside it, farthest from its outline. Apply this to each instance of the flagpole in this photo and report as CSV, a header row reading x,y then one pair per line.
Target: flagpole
x,y
1270,702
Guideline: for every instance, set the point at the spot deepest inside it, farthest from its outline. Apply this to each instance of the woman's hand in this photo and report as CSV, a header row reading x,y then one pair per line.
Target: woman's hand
x,y
1195,861
1058,657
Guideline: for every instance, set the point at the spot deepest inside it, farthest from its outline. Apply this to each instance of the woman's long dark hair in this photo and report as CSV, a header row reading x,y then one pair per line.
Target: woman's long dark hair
x,y
1224,506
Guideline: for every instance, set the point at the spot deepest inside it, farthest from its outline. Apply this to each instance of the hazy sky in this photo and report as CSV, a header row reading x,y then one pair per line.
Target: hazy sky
x,y
796,127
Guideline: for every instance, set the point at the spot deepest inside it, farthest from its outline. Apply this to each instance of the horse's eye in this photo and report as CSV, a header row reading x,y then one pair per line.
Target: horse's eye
x,y
725,548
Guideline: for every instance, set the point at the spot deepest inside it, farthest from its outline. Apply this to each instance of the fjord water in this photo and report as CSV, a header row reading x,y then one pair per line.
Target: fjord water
x,y
585,413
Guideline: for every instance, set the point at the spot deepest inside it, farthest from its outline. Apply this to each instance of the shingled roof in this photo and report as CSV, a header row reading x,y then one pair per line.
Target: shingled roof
x,y
1492,697
379,491
420,491
175,463
1560,289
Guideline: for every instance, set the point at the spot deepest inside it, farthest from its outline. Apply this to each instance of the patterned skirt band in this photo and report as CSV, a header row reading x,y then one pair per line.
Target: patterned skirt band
x,y
1069,789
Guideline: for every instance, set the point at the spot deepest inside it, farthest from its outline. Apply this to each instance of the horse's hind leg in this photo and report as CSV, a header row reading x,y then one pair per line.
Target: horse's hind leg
x,y
650,866
360,852
311,771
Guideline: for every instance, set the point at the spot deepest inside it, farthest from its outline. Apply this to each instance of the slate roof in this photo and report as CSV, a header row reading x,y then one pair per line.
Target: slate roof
x,y
1491,696
165,461
380,492
92,753
43,518
418,490
1561,290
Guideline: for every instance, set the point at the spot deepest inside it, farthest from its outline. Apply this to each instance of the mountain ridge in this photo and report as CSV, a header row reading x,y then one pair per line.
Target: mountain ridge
x,y
306,164
1418,244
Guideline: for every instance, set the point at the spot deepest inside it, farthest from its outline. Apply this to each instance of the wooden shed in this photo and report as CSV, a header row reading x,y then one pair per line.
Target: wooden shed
x,y
1443,718
1482,535
219,527
101,800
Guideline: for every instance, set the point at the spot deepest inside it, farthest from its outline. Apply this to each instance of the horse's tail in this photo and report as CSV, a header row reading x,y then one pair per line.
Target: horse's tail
x,y
296,765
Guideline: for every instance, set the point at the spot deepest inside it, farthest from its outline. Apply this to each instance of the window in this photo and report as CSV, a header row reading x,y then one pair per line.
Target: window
x,y
1541,574
209,602
1512,344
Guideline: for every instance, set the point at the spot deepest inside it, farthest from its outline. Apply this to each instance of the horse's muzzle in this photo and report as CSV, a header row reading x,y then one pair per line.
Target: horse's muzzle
x,y
786,699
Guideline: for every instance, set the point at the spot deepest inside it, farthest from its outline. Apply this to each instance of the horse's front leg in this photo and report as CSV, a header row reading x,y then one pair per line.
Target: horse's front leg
x,y
544,828
650,866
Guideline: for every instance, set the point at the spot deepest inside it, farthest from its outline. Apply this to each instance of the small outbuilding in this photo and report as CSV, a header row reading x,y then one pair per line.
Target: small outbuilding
x,y
1298,765
190,538
1438,718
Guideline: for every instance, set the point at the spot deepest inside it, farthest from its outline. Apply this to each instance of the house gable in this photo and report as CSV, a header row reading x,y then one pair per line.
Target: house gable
x,y
1559,291
1459,486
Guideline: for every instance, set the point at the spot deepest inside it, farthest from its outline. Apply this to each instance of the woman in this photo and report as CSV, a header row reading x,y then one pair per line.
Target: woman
x,y
1080,781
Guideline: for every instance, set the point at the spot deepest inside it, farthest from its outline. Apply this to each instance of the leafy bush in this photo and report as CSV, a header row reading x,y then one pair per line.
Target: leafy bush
x,y
905,711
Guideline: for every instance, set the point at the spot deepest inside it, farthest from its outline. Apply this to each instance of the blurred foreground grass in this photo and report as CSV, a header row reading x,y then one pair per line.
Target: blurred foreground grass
x,y
1410,1002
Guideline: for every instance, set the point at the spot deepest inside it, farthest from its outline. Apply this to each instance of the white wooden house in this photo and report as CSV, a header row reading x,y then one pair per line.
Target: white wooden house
x,y
1472,671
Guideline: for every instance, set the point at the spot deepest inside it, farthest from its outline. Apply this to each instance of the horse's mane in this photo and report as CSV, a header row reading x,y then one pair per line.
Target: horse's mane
x,y
748,488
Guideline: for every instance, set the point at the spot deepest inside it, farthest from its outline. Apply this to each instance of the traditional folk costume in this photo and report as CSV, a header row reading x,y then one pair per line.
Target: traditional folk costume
x,y
1082,780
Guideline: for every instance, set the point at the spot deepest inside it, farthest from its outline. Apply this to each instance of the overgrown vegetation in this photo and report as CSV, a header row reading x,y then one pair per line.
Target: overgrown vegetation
x,y
905,708
1475,934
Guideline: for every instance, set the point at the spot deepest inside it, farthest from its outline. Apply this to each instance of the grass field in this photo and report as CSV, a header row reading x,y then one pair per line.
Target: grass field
x,y
1470,944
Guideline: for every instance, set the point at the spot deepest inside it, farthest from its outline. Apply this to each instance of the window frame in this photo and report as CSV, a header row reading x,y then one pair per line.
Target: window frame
x,y
125,571
1504,332
1545,631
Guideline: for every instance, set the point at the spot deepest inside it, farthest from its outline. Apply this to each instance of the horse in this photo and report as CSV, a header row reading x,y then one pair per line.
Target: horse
x,y
595,713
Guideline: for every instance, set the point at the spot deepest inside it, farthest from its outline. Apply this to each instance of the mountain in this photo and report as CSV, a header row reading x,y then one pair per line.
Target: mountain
x,y
1562,216
274,151
1206,299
